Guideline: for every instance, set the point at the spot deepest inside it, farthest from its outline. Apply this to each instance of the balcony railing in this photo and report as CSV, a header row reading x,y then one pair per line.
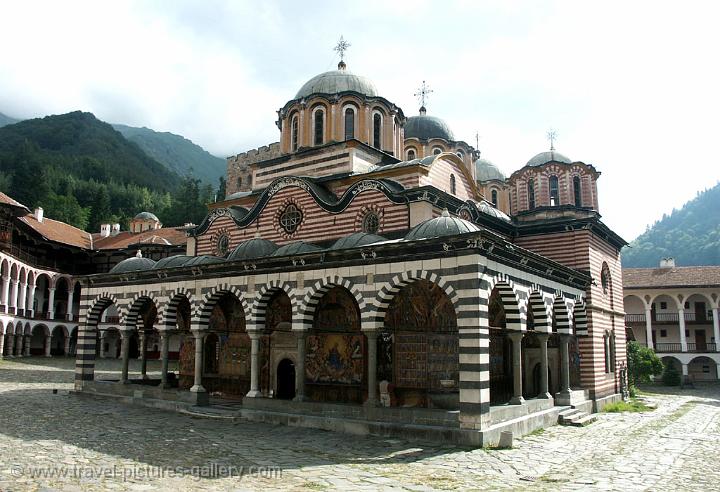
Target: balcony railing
x,y
663,348
674,318
702,347
668,347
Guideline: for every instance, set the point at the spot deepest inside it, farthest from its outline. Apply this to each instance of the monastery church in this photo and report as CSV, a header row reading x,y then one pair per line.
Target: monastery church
x,y
370,273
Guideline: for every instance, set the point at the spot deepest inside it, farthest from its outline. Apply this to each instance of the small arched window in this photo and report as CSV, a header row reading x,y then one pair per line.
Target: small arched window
x,y
605,278
371,223
410,154
554,191
453,187
319,124
493,198
294,133
437,150
239,183
377,130
460,154
531,193
349,123
577,189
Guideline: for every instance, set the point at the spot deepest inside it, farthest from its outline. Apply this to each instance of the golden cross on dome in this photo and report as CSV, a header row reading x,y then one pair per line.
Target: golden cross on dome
x,y
341,47
422,94
552,136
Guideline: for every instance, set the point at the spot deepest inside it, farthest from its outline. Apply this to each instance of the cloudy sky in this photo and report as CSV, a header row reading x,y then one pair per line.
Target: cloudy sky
x,y
631,87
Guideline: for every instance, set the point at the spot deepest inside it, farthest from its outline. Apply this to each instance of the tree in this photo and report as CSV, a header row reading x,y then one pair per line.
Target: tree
x,y
222,190
671,376
642,363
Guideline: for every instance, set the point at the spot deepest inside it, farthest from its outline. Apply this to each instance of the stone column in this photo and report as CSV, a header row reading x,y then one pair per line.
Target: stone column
x,y
26,345
543,391
2,345
648,327
48,345
716,329
164,349
300,366
254,365
51,303
125,354
71,296
5,291
18,345
31,301
13,294
22,296
143,353
681,319
372,399
197,384
565,366
66,347
516,338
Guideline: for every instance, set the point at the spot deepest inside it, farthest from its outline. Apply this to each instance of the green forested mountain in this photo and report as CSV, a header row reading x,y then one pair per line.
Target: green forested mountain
x,y
691,235
6,120
176,152
84,172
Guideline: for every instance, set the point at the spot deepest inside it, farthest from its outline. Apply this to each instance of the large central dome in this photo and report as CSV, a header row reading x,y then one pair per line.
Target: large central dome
x,y
337,81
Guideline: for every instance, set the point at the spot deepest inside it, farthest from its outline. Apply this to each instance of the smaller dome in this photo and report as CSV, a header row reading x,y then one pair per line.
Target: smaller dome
x,y
488,209
487,171
357,240
171,262
203,260
424,127
134,264
548,156
445,225
253,248
146,216
296,248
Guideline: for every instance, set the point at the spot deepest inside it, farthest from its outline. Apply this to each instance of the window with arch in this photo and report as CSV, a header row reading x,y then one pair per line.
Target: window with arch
x,y
577,190
605,278
294,133
371,223
239,182
291,218
554,191
319,125
410,154
460,154
494,197
437,150
377,130
531,193
349,123
453,184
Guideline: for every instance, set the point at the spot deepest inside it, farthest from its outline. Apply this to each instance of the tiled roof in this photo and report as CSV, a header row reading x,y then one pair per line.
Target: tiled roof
x,y
4,199
671,277
59,232
163,236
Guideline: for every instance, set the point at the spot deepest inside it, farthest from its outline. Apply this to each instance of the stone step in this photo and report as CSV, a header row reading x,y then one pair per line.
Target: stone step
x,y
568,415
583,421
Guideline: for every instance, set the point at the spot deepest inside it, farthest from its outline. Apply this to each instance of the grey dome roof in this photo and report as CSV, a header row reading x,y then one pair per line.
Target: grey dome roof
x,y
203,260
548,156
146,216
486,171
424,127
134,264
296,248
445,225
171,262
356,240
488,208
335,82
254,248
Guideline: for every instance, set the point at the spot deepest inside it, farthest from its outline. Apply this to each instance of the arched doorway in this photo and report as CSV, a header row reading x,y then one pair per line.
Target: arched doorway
x,y
39,340
57,342
418,349
702,369
501,376
285,380
335,351
277,343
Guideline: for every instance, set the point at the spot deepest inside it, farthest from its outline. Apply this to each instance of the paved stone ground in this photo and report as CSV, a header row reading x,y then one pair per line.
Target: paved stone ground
x,y
65,442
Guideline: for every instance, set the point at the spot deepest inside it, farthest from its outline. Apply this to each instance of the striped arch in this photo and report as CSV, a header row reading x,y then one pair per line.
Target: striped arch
x,y
259,307
317,291
201,319
562,315
398,282
137,302
510,301
541,317
580,318
10,329
168,316
97,306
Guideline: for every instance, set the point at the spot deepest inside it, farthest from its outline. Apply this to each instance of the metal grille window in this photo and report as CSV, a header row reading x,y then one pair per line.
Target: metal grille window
x,y
371,223
319,126
531,194
223,245
453,186
294,133
494,198
290,219
554,191
349,124
578,191
377,131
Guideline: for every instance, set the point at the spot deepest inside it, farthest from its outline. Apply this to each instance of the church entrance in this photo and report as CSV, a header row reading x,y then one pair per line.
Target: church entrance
x,y
286,380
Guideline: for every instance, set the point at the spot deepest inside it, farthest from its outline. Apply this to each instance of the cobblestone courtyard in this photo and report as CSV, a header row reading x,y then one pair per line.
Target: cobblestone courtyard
x,y
92,444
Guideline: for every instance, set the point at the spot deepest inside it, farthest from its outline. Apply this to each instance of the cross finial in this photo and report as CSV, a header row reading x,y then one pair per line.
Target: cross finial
x,y
552,136
477,141
341,48
422,95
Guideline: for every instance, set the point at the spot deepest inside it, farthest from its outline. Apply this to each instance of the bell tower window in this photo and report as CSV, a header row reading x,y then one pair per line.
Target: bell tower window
x,y
377,130
410,154
554,191
349,123
578,191
319,127
531,193
294,134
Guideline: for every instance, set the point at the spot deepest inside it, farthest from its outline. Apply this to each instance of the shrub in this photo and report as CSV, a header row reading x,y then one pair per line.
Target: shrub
x,y
671,376
642,363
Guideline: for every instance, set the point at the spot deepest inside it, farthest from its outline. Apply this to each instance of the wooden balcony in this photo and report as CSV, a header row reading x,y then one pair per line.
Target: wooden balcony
x,y
665,348
668,318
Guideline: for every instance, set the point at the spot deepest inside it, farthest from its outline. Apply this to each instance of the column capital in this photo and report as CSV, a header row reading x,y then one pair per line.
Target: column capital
x,y
542,335
515,335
